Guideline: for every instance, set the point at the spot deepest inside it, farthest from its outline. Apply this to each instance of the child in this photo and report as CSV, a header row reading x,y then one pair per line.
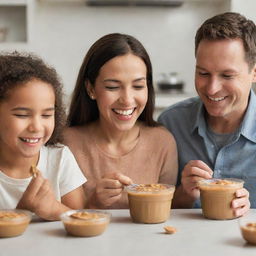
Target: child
x,y
32,117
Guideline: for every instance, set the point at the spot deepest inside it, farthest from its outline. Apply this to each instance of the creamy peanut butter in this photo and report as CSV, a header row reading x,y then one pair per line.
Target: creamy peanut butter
x,y
85,223
150,203
216,196
13,223
249,232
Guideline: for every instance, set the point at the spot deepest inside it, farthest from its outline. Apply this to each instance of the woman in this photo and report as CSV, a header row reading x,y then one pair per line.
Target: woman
x,y
111,129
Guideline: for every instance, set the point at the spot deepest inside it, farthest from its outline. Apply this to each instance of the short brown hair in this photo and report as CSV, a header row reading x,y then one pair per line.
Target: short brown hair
x,y
230,25
83,109
16,69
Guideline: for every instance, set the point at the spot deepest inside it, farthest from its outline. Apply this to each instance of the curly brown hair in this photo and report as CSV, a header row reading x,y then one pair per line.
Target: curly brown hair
x,y
230,25
16,69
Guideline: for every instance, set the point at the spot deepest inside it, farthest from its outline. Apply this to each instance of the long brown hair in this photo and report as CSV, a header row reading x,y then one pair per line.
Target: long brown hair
x,y
83,109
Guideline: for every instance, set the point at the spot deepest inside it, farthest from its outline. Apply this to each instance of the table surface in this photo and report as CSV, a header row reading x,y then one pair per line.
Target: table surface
x,y
195,236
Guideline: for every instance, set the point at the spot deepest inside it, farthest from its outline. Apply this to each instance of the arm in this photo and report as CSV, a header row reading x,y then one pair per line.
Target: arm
x,y
75,199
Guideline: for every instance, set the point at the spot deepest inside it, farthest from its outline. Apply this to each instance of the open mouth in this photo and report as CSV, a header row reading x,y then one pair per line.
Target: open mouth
x,y
127,112
216,99
30,140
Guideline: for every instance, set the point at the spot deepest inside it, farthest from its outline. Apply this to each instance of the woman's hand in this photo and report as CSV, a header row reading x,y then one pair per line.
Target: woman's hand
x,y
194,171
40,199
109,189
241,203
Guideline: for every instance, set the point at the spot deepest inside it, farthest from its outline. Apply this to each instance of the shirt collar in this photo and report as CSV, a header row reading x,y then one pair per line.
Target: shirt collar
x,y
197,118
248,126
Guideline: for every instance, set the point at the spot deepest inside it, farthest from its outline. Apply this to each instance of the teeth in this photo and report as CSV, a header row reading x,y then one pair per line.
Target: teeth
x,y
216,99
124,112
30,140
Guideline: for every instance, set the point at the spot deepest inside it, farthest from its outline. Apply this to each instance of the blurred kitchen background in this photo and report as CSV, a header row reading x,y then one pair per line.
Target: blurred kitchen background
x,y
61,32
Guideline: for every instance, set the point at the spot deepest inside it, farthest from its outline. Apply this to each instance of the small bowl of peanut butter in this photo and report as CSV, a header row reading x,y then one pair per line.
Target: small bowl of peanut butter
x,y
85,223
14,222
216,196
247,225
150,203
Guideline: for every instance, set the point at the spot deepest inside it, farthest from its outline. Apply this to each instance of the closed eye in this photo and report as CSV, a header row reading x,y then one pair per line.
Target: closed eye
x,y
203,73
227,76
139,87
47,115
111,88
21,115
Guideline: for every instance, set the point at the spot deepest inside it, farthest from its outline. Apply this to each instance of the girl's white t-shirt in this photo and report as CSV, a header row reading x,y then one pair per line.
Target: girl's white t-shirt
x,y
57,164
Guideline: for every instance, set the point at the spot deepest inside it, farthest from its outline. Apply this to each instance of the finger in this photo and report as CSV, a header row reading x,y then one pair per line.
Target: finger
x,y
195,171
242,210
242,193
239,202
201,165
191,182
112,200
34,185
125,180
118,176
110,184
106,193
43,190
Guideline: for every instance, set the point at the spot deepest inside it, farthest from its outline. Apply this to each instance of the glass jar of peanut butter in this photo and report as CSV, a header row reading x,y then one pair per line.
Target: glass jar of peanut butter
x,y
150,203
85,223
216,196
14,222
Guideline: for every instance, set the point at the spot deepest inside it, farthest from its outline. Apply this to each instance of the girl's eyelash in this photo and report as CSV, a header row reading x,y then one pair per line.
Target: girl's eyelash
x,y
20,115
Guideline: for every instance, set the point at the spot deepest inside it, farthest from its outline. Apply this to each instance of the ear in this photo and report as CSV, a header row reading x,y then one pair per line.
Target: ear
x,y
90,90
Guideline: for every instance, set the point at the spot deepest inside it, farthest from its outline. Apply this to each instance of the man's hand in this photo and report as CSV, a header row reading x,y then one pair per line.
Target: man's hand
x,y
241,203
194,171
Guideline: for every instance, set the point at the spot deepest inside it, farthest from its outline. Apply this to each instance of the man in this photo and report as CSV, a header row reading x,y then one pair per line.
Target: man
x,y
216,132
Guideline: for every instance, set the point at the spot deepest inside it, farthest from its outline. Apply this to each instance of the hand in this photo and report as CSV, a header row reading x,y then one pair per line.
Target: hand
x,y
241,203
194,171
109,189
40,199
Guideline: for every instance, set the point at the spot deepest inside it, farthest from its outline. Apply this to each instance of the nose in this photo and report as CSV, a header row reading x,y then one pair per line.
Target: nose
x,y
213,85
35,124
126,97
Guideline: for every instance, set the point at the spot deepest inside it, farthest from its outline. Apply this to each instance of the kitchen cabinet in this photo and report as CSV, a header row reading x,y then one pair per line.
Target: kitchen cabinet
x,y
13,21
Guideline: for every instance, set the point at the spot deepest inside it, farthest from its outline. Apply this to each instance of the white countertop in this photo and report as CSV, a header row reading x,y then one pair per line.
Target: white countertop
x,y
195,236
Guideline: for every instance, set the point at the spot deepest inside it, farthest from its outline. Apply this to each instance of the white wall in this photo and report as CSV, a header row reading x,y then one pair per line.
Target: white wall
x,y
62,33
245,7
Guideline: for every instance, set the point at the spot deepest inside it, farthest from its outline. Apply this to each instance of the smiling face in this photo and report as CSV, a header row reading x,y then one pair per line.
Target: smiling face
x,y
121,92
223,79
27,119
